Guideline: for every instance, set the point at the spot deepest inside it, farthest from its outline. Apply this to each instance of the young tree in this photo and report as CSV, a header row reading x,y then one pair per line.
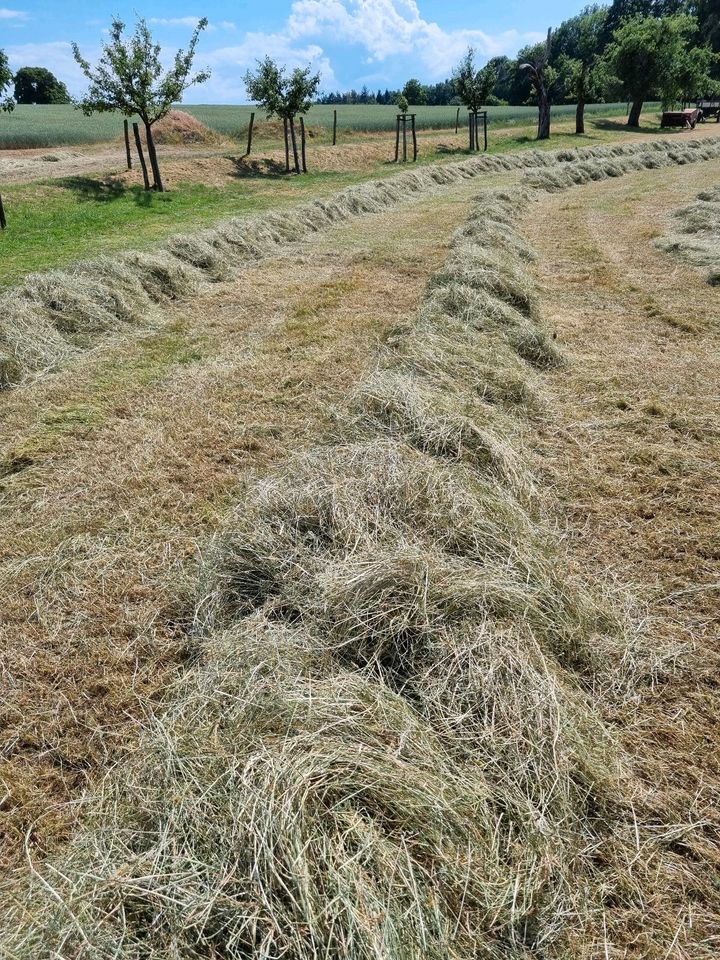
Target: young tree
x,y
578,44
414,92
647,54
471,85
283,96
6,101
535,61
129,77
402,103
38,85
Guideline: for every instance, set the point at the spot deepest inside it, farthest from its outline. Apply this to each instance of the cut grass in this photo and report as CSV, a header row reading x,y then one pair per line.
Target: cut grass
x,y
387,746
698,242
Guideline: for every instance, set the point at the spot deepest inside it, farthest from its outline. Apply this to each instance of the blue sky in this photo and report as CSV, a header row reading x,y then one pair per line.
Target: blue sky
x,y
352,42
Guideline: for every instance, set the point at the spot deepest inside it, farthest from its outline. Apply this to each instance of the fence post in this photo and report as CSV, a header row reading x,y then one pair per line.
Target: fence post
x,y
250,133
302,144
143,165
3,221
414,136
334,127
126,129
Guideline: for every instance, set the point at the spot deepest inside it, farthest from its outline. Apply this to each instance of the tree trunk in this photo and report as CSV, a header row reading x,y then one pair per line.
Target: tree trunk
x,y
287,145
635,111
580,116
152,154
296,158
143,166
543,113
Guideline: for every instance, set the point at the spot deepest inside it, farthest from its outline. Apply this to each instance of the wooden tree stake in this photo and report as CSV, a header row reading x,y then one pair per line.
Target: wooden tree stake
x,y
404,123
250,133
302,144
397,138
287,145
143,165
414,136
457,120
126,129
3,221
334,127
471,132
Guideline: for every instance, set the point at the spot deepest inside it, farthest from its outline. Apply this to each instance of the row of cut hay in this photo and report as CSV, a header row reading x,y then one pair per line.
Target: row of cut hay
x,y
54,316
698,238
387,747
608,164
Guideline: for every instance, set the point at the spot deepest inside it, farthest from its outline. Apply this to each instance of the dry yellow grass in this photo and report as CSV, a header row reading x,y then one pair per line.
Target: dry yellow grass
x,y
115,471
630,449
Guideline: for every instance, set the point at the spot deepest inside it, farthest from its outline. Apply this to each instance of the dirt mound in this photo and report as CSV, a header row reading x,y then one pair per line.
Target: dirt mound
x,y
181,127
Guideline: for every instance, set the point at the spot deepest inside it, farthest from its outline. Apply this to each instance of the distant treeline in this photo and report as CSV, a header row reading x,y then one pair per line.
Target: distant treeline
x,y
513,85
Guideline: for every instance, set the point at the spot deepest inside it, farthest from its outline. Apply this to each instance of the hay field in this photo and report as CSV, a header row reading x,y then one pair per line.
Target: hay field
x,y
361,579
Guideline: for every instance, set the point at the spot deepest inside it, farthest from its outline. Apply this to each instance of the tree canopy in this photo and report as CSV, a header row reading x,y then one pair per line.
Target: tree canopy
x,y
6,101
414,92
282,95
39,85
652,55
129,75
473,86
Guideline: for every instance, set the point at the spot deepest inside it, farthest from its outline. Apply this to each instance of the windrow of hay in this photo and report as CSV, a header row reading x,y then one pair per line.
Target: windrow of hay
x,y
387,747
51,317
607,162
698,239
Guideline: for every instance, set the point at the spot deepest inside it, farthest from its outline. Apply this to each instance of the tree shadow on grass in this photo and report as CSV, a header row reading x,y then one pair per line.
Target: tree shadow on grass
x,y
620,125
105,190
252,167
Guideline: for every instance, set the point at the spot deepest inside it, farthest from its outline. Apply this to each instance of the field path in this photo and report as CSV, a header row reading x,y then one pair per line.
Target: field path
x,y
630,449
115,472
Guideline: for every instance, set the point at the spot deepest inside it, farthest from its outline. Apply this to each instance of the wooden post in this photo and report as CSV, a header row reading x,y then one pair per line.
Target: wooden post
x,y
457,120
470,131
287,145
485,128
250,132
404,123
397,138
477,132
126,129
414,136
302,144
3,221
143,165
334,127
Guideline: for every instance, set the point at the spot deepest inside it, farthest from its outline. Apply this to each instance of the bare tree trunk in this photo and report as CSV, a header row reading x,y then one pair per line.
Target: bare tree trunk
x,y
296,158
543,112
152,154
635,111
580,116
287,145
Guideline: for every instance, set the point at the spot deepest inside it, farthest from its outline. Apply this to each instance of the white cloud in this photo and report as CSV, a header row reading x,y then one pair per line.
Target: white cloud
x,y
6,14
56,56
229,64
388,28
